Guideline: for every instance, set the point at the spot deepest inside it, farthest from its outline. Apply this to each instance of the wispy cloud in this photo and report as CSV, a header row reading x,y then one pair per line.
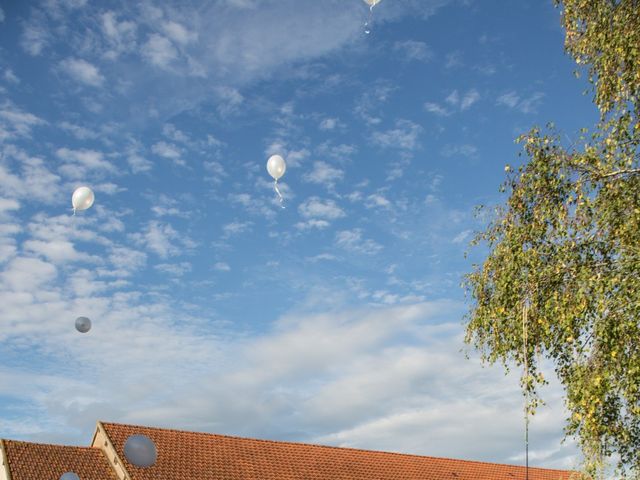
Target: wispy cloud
x,y
527,105
174,269
159,51
222,267
437,109
413,50
462,150
324,173
35,34
77,163
457,102
78,131
315,207
16,122
162,239
330,123
178,32
353,241
82,71
405,136
170,151
236,228
121,36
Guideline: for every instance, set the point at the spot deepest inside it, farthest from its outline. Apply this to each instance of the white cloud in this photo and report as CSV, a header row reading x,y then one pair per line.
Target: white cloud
x,y
324,174
77,163
509,99
14,121
329,123
138,163
311,224
120,35
82,71
377,201
462,236
229,100
35,35
404,136
2,16
8,204
25,274
78,131
531,104
222,267
57,251
464,101
178,33
353,241
453,60
453,98
525,105
174,269
159,51
471,97
236,228
170,151
339,152
437,109
167,206
11,77
34,182
414,50
317,208
162,239
462,150
126,260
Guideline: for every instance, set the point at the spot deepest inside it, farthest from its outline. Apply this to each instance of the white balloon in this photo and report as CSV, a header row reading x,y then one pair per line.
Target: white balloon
x,y
83,324
372,2
69,476
140,451
276,166
82,198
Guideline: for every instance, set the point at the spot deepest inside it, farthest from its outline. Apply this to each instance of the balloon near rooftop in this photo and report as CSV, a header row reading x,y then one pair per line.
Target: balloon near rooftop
x,y
69,476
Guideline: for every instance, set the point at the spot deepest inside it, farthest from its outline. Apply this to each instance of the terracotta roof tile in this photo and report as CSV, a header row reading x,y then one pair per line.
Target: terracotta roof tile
x,y
37,461
202,456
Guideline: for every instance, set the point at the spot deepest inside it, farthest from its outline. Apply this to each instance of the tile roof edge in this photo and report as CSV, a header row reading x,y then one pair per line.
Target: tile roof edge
x,y
5,461
339,448
57,445
109,451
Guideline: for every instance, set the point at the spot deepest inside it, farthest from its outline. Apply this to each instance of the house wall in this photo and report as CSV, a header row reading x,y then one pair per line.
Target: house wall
x,y
101,441
5,474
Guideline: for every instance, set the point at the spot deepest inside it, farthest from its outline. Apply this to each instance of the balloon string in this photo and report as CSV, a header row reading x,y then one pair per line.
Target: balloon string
x,y
367,24
275,187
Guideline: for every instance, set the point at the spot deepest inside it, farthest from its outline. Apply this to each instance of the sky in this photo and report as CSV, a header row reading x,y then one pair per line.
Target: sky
x,y
338,319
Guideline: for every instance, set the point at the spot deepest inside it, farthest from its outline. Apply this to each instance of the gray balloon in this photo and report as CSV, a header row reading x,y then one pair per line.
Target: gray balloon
x,y
83,325
69,476
140,451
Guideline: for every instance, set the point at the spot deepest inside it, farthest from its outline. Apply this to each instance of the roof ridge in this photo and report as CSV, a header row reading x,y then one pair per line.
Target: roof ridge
x,y
175,430
44,444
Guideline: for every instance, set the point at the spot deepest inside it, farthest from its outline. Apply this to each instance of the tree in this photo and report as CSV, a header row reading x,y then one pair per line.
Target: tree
x,y
562,276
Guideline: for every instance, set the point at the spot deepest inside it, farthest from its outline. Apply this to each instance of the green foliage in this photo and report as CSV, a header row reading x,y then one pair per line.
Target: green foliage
x,y
565,248
605,36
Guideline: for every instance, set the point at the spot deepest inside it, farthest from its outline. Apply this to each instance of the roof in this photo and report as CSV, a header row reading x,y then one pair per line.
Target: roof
x,y
203,456
39,461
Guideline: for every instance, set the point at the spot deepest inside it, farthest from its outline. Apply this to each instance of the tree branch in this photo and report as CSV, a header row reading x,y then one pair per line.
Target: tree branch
x,y
630,171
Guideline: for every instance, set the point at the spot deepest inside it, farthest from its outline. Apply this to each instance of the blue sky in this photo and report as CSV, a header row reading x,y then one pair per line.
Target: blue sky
x,y
337,319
